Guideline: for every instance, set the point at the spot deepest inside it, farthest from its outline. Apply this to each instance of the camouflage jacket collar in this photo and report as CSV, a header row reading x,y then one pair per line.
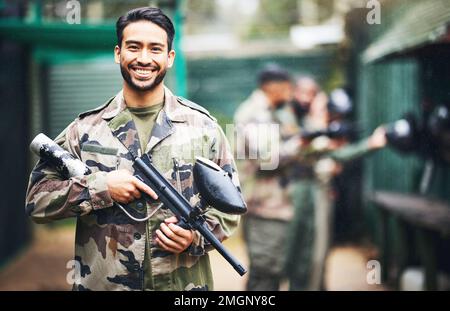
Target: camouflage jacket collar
x,y
123,127
170,108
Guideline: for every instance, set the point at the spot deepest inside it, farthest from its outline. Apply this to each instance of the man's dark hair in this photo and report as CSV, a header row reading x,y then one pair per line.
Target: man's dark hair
x,y
273,73
154,15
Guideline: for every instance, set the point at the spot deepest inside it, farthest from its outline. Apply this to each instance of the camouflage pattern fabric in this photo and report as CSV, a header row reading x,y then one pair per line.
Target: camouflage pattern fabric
x,y
266,243
269,206
109,246
309,233
301,235
266,195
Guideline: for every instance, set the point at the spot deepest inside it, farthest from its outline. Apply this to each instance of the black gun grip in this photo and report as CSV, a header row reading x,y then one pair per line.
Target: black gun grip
x,y
181,223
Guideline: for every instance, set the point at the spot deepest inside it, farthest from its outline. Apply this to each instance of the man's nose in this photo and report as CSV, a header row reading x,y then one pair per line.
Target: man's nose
x,y
145,57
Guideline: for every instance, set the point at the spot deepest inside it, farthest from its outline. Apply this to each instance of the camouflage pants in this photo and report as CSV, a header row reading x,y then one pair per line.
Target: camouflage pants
x,y
300,236
308,235
265,240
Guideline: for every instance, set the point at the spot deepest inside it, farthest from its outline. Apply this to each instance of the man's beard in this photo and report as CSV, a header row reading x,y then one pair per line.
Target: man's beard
x,y
127,77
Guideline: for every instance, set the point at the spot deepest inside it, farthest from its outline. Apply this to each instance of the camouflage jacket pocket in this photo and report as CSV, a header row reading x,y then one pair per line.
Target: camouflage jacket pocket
x,y
100,158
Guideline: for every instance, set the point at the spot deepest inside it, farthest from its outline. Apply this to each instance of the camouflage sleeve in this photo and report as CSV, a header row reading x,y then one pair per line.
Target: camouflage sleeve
x,y
49,197
222,225
288,150
351,152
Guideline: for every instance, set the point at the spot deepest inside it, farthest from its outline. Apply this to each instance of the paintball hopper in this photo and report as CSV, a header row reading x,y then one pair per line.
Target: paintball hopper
x,y
439,121
402,134
439,130
216,188
339,102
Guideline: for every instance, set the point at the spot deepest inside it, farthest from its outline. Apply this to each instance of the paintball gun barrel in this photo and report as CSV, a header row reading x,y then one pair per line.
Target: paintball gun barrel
x,y
214,184
336,129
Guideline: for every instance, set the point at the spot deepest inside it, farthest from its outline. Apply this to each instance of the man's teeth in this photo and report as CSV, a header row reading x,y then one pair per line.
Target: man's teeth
x,y
143,71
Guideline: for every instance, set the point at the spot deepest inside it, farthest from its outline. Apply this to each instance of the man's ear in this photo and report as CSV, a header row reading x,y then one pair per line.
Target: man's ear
x,y
117,54
170,58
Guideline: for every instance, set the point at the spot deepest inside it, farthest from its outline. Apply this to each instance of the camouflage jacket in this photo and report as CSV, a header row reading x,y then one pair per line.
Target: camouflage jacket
x,y
271,131
109,246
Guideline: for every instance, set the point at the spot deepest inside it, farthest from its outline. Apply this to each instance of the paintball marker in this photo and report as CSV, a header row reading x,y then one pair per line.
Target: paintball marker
x,y
213,183
430,139
336,129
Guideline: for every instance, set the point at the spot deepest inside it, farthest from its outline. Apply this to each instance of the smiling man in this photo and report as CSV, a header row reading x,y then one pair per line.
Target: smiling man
x,y
113,251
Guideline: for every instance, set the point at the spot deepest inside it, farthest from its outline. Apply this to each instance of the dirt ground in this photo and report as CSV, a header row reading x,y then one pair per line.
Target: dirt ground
x,y
42,266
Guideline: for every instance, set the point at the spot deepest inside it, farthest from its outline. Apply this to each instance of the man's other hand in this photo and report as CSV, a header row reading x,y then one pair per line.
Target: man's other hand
x,y
378,139
173,238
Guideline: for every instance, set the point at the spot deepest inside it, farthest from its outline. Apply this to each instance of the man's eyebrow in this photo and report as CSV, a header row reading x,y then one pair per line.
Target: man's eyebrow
x,y
133,42
141,43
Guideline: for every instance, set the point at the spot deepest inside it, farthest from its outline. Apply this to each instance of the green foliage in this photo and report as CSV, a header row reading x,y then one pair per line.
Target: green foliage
x,y
199,14
274,18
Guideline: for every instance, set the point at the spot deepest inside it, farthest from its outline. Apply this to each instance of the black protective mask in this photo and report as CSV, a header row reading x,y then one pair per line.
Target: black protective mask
x,y
300,109
280,104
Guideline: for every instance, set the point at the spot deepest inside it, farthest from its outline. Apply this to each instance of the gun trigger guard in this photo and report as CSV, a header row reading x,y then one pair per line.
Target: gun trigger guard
x,y
130,216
